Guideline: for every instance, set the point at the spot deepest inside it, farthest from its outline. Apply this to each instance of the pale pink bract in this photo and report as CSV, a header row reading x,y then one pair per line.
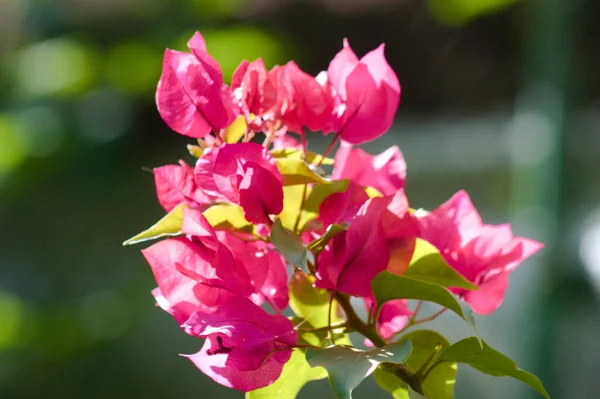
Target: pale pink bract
x,y
484,254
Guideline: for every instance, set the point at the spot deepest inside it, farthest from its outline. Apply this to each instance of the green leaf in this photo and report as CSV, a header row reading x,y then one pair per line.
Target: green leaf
x,y
292,153
292,203
428,265
489,361
387,286
169,225
423,248
348,367
312,304
318,193
290,245
391,383
308,334
439,383
236,130
320,243
296,373
227,217
395,386
414,395
296,171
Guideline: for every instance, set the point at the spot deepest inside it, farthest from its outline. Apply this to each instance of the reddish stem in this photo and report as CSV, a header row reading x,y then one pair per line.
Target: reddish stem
x,y
328,150
304,145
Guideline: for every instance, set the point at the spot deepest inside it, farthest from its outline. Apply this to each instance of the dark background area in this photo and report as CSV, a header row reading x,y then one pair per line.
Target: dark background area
x,y
499,97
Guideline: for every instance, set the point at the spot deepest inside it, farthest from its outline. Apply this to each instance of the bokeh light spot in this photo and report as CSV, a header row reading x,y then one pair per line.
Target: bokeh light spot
x,y
133,67
103,116
12,152
54,67
531,138
11,320
589,247
459,12
216,8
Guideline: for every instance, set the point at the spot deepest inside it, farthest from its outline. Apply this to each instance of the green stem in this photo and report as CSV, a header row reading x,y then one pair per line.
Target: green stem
x,y
423,371
297,223
355,323
329,326
376,317
325,328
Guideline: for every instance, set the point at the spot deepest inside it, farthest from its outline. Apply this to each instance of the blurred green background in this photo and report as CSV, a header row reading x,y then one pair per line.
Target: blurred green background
x,y
500,97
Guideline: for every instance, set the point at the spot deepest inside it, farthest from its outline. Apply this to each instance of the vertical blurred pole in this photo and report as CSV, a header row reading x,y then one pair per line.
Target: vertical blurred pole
x,y
537,143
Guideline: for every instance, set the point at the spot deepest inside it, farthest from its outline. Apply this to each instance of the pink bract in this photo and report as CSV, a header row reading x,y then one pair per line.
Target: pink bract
x,y
175,184
255,93
245,174
368,91
385,172
484,254
342,207
191,96
245,346
381,237
310,103
392,319
265,267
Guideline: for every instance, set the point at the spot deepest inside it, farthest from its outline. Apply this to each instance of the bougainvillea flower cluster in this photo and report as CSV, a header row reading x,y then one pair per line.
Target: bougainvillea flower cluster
x,y
273,250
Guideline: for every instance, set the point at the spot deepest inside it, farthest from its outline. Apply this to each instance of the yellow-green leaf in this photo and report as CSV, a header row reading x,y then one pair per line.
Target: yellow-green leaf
x,y
427,264
427,347
310,303
292,202
292,153
296,171
320,243
227,217
423,248
373,192
236,130
318,193
169,225
296,373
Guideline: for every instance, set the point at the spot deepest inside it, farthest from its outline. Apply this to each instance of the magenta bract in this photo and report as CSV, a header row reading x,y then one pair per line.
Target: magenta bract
x,y
369,94
176,184
245,347
385,172
381,237
191,96
484,254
